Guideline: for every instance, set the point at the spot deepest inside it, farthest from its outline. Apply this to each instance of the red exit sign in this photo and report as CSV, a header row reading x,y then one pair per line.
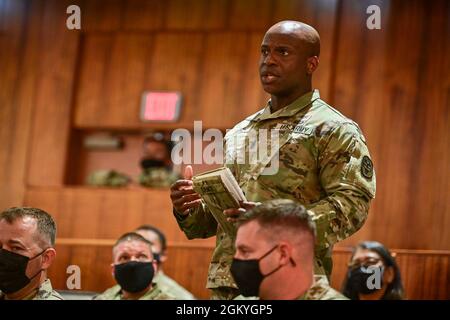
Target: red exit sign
x,y
160,106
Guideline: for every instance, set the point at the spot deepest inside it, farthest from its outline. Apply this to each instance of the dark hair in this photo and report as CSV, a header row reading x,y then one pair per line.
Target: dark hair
x,y
281,212
161,236
46,226
133,236
394,290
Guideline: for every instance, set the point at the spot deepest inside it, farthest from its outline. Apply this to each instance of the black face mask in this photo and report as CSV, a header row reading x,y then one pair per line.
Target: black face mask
x,y
358,277
151,163
13,268
248,276
134,276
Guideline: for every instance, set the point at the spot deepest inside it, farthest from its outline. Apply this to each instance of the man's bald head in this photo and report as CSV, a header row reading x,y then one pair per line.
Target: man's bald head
x,y
289,57
308,36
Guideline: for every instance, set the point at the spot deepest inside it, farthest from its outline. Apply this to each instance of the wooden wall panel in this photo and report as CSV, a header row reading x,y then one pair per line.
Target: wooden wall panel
x,y
117,69
143,15
101,15
251,14
386,81
196,14
175,66
223,98
53,101
19,53
101,213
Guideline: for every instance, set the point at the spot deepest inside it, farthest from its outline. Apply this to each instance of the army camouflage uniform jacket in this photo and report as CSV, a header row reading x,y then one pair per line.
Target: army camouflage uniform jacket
x,y
44,292
320,290
324,164
115,293
170,286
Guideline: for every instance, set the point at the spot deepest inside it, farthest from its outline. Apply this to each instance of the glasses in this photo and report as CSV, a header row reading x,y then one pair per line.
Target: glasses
x,y
364,263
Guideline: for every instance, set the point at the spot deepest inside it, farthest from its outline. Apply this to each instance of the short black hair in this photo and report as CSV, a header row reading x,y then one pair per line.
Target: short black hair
x,y
281,212
159,233
46,226
394,290
132,236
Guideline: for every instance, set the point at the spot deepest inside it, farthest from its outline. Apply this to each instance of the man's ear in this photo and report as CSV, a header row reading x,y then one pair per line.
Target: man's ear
x,y
163,257
285,253
47,258
112,270
311,64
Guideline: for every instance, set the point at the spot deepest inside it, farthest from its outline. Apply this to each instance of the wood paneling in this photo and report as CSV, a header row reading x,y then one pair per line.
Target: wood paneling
x,y
19,53
224,99
395,83
143,15
101,15
196,14
53,100
251,14
83,212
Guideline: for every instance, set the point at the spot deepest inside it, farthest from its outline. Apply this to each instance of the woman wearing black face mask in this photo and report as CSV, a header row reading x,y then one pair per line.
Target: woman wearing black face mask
x,y
373,274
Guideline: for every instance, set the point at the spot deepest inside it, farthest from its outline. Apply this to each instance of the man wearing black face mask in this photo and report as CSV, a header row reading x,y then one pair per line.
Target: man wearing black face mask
x,y
159,248
156,163
27,237
133,268
274,257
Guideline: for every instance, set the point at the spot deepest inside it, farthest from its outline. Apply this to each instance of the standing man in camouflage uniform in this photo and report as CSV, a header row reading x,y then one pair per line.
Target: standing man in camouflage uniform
x,y
324,162
27,240
274,257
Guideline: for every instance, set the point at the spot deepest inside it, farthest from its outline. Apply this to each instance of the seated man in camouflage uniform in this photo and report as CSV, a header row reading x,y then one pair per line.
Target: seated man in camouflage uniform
x,y
156,162
275,254
27,239
159,249
133,268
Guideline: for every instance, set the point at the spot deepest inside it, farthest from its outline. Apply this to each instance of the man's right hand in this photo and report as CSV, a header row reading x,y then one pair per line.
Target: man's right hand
x,y
183,195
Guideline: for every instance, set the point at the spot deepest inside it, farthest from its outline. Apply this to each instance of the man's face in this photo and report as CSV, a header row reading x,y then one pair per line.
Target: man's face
x,y
21,237
156,150
132,250
252,243
154,239
282,64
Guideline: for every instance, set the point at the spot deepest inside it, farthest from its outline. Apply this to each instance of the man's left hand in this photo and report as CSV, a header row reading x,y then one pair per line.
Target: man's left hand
x,y
234,214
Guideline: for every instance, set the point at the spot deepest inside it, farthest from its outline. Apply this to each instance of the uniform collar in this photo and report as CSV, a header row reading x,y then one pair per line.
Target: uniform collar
x,y
290,109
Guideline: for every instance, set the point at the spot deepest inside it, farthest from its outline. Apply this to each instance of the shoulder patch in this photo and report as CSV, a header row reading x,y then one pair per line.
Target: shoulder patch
x,y
367,167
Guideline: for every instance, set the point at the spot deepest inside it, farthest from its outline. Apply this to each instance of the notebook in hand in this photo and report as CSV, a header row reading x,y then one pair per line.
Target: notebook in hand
x,y
219,190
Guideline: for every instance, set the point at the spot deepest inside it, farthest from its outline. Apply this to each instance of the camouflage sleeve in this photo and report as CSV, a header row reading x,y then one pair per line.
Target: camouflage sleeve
x,y
347,176
199,223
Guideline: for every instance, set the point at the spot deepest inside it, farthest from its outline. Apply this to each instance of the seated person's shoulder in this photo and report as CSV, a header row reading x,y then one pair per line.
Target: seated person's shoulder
x,y
170,286
156,293
112,293
46,292
321,290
